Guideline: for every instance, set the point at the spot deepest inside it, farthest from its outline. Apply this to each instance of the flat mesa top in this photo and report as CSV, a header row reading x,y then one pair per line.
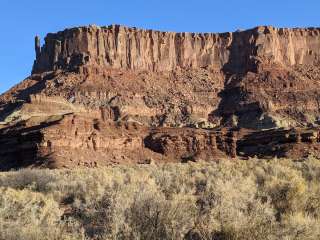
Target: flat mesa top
x,y
118,26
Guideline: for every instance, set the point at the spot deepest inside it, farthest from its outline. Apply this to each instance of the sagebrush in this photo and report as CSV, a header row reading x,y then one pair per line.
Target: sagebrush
x,y
223,200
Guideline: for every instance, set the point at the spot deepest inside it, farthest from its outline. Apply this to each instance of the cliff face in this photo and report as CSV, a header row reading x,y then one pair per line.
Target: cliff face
x,y
130,48
124,95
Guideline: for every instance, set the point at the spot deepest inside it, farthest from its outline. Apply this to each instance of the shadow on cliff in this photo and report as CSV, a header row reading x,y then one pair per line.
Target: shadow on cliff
x,y
37,87
242,52
25,159
24,95
19,147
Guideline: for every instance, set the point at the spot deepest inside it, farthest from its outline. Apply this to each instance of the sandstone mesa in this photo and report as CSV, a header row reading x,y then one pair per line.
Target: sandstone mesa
x,y
109,95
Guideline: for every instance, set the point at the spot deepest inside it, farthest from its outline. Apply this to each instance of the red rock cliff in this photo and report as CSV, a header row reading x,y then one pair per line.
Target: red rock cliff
x,y
106,95
130,48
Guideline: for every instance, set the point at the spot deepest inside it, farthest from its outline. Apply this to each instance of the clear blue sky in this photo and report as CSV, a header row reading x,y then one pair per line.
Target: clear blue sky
x,y
21,20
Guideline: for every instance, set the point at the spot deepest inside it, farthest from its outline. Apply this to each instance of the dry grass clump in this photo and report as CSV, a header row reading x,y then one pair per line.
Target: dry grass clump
x,y
226,200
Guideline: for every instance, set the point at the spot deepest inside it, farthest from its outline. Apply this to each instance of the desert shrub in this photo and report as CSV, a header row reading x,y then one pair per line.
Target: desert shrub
x,y
300,226
312,205
286,187
28,215
231,210
223,200
38,180
95,217
152,216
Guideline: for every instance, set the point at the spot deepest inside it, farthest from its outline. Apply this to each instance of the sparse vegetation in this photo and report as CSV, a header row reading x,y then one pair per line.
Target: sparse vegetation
x,y
227,200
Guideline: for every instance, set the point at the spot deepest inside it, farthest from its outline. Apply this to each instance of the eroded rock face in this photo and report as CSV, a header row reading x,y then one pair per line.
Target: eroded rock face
x,y
192,144
101,95
130,48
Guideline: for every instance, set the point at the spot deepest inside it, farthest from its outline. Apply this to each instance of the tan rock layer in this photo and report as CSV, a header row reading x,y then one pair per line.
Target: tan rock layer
x,y
130,48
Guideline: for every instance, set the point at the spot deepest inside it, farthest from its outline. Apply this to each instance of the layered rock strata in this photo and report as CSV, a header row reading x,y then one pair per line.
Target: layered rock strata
x,y
109,95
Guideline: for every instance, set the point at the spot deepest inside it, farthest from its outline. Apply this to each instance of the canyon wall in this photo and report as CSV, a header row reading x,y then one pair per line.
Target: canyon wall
x,y
130,48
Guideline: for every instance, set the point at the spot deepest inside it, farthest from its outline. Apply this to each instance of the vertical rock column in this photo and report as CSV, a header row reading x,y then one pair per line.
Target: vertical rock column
x,y
37,47
56,53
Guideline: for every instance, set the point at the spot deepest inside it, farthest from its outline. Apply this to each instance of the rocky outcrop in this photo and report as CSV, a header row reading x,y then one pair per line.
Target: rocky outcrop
x,y
74,140
280,143
192,144
130,48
